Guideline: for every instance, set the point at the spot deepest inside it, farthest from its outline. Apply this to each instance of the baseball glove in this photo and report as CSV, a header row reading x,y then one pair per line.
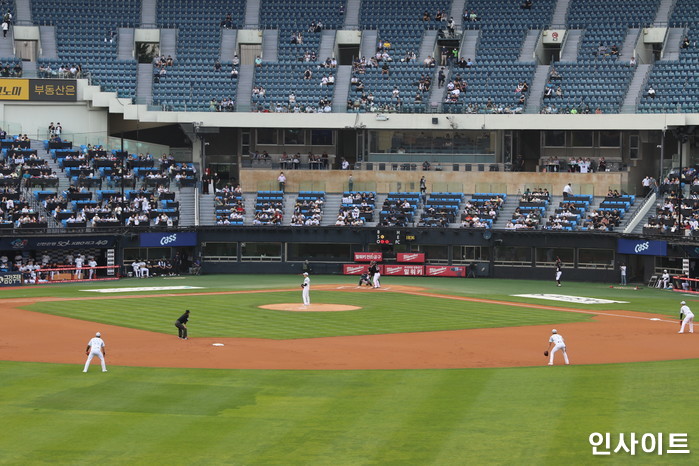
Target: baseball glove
x,y
546,353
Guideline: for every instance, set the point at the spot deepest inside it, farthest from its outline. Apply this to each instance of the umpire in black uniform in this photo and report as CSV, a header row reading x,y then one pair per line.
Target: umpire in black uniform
x,y
181,325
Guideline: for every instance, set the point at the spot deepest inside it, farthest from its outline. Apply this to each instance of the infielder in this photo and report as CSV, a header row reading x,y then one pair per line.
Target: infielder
x,y
686,316
181,325
558,344
306,286
95,347
559,271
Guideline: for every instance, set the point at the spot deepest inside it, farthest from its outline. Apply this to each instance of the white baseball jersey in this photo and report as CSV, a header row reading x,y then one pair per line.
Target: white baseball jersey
x,y
79,261
623,269
556,339
307,283
92,263
686,311
96,344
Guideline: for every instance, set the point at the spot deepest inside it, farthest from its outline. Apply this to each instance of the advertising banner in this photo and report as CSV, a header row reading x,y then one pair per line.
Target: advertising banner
x,y
418,257
406,270
78,242
358,269
10,279
642,247
47,90
154,240
368,256
445,271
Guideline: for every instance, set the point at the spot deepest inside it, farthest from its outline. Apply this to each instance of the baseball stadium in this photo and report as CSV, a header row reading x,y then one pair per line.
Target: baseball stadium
x,y
349,232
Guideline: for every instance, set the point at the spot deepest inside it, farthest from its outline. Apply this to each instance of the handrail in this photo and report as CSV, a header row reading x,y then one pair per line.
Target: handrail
x,y
196,206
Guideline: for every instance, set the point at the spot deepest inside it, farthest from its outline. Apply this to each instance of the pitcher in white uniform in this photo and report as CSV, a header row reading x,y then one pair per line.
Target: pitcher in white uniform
x,y
95,347
557,342
306,293
687,317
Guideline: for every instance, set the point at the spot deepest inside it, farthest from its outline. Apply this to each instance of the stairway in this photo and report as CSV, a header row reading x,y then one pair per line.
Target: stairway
x,y
505,213
662,16
457,12
47,36
252,14
378,203
244,93
168,42
288,208
185,196
437,94
652,211
327,44
126,44
536,89
526,54
228,44
629,46
559,13
249,200
331,209
63,180
29,69
148,12
144,83
635,89
469,43
7,44
352,14
207,215
671,50
270,44
23,12
429,42
342,85
572,43
367,47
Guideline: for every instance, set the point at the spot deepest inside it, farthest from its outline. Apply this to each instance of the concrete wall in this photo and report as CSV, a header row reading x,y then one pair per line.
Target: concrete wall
x,y
469,182
34,118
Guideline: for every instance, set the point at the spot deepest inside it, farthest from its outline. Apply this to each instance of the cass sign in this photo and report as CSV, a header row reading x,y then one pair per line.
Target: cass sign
x,y
641,247
168,239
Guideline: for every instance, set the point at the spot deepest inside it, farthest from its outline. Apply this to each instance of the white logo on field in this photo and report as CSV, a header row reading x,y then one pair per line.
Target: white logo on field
x,y
640,247
165,240
144,288
570,299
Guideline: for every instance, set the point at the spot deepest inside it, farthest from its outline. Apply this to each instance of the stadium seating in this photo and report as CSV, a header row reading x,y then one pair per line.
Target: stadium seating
x,y
399,209
86,35
482,210
308,210
269,208
356,208
441,209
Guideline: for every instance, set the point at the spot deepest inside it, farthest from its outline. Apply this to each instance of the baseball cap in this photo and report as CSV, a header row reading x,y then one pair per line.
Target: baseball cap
x,y
683,302
305,273
98,334
554,331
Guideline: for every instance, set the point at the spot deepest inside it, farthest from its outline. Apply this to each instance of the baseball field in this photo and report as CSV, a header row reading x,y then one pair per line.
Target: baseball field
x,y
422,371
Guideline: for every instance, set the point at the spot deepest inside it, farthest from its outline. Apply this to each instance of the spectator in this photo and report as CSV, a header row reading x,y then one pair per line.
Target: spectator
x,y
651,92
685,42
5,28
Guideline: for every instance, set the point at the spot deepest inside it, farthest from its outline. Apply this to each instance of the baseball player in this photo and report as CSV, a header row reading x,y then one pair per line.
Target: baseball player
x,y
559,271
376,274
79,261
306,286
686,316
364,279
558,344
181,325
92,273
95,347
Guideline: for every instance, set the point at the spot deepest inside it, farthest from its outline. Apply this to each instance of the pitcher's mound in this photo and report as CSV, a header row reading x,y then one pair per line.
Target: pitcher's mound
x,y
296,307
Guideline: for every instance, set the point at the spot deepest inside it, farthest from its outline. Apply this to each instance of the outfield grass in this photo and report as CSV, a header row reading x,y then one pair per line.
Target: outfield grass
x,y
57,414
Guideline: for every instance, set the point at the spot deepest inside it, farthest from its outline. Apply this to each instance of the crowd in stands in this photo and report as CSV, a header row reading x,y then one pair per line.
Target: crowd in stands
x,y
269,208
530,211
229,205
481,210
678,210
356,208
308,209
398,209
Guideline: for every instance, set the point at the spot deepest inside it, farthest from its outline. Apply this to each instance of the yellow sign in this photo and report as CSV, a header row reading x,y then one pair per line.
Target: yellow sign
x,y
14,89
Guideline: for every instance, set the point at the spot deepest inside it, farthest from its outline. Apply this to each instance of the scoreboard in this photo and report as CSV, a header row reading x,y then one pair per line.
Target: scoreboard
x,y
393,237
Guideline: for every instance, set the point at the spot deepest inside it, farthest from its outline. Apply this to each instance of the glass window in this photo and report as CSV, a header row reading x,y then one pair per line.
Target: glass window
x,y
596,257
434,253
468,254
582,139
318,252
547,256
131,254
294,137
220,249
513,254
267,136
322,137
261,251
555,138
610,138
